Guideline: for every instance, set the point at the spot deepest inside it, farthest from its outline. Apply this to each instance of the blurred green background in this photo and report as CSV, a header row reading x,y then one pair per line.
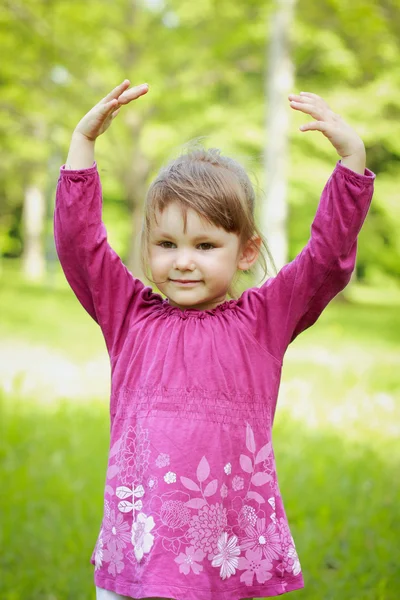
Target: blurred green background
x,y
208,65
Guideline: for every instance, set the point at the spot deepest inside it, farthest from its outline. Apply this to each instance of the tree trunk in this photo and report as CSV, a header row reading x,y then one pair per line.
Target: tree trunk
x,y
279,82
34,211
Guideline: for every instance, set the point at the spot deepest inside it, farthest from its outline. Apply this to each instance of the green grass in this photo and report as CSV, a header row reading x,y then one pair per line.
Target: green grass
x,y
336,443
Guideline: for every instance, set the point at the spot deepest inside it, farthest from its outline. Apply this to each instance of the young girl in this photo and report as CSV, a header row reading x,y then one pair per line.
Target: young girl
x,y
192,507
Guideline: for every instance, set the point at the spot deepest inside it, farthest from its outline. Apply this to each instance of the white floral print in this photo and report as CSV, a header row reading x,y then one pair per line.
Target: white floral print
x,y
115,531
152,482
188,561
228,468
290,560
227,557
170,477
142,539
162,460
98,555
265,537
237,483
113,556
254,564
247,516
206,528
240,535
133,455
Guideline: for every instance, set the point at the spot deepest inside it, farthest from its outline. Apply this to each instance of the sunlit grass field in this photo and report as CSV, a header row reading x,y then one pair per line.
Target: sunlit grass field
x,y
336,437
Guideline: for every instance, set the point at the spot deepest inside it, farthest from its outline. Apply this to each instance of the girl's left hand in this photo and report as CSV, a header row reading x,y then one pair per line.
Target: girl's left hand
x,y
339,133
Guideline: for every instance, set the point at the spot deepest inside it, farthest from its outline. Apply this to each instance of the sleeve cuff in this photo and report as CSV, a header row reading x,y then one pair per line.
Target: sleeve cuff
x,y
367,176
89,171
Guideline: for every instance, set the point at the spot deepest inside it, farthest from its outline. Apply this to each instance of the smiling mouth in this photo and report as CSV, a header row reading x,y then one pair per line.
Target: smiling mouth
x,y
185,281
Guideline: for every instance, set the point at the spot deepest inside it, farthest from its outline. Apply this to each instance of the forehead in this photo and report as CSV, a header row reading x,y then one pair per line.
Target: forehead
x,y
176,220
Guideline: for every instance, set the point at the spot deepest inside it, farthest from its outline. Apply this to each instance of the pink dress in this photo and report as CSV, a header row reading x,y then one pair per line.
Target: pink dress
x,y
192,507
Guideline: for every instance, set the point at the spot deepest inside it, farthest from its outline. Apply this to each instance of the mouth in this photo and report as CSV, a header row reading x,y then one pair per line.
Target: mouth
x,y
185,282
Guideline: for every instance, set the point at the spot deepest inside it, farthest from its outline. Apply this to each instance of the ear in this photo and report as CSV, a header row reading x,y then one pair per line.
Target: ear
x,y
249,253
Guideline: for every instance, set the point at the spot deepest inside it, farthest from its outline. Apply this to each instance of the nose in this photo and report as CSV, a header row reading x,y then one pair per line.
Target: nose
x,y
184,262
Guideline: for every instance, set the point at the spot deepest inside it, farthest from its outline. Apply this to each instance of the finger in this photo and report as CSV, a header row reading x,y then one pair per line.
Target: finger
x,y
117,91
314,97
298,98
315,126
133,93
109,107
114,114
309,109
310,95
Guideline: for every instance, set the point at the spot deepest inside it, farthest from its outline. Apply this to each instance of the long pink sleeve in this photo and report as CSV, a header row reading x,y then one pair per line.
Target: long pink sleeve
x,y
292,301
99,279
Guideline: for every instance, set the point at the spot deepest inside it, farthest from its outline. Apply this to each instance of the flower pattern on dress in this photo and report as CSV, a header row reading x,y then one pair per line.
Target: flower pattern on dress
x,y
206,528
116,531
247,516
290,561
227,557
223,491
228,468
188,561
170,477
152,482
133,455
254,564
142,539
98,553
188,522
265,537
162,460
237,483
114,557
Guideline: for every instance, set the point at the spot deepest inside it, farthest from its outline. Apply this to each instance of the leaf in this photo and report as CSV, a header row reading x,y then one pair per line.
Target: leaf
x,y
196,503
255,496
189,484
115,448
171,545
203,470
108,490
125,506
138,491
261,478
263,453
112,471
211,488
138,505
123,492
246,463
250,443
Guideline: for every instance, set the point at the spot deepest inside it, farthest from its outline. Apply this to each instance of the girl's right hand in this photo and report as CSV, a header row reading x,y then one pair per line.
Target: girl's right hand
x,y
99,118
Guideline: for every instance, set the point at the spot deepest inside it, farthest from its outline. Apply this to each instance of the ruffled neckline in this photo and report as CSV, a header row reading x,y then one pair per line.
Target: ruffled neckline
x,y
195,313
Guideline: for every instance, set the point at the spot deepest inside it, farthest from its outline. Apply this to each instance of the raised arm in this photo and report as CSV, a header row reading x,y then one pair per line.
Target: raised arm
x,y
96,274
292,301
97,121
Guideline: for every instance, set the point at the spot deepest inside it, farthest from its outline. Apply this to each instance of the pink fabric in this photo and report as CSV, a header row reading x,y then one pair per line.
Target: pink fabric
x,y
192,507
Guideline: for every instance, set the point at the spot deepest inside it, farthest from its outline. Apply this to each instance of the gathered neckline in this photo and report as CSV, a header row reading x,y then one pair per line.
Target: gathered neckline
x,y
195,312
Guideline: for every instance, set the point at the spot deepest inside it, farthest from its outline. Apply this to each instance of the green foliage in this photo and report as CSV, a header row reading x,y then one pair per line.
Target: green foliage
x,y
206,66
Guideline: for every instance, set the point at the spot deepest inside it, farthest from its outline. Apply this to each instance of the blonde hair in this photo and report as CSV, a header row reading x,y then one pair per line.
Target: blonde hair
x,y
217,188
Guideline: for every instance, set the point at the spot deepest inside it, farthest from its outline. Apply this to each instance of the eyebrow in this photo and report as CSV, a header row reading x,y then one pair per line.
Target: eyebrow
x,y
195,239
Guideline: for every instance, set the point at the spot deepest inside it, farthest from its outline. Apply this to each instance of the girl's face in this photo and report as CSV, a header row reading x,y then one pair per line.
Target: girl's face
x,y
206,256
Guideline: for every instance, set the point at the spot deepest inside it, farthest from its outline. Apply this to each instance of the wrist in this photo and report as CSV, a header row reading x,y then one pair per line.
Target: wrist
x,y
81,152
356,160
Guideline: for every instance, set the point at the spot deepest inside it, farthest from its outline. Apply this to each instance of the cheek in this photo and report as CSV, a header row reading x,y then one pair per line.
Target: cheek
x,y
159,260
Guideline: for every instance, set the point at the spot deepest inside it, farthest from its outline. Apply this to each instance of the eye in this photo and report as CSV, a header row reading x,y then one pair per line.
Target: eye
x,y
162,245
207,244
